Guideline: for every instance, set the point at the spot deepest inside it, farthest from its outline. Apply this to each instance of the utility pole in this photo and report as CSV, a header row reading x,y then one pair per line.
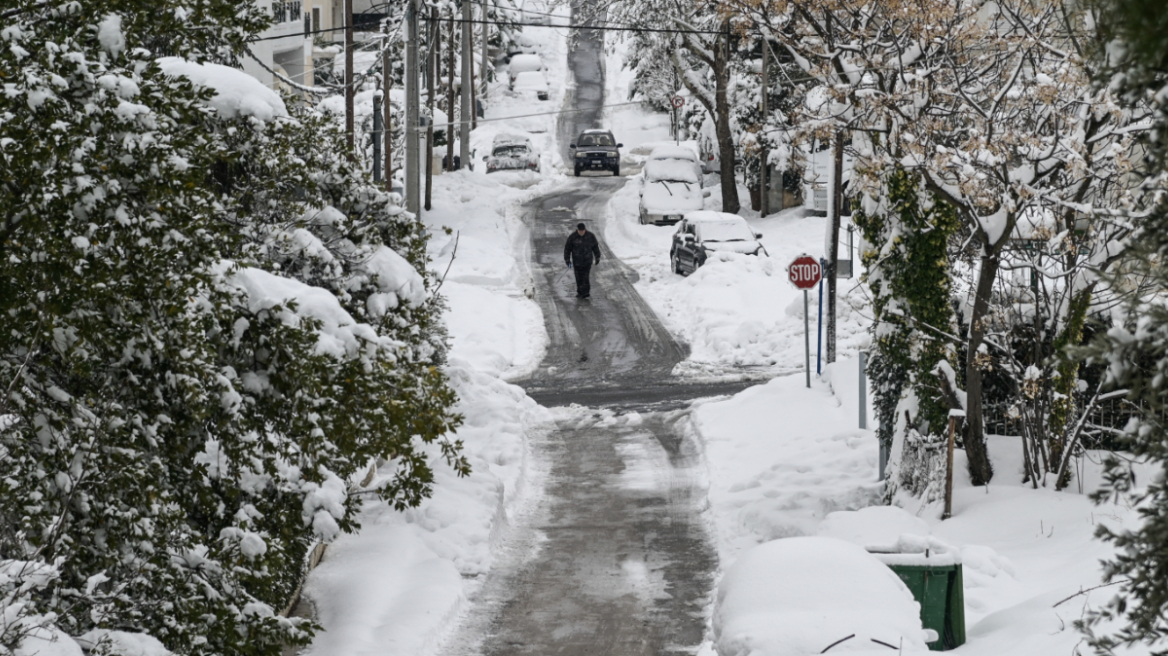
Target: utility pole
x,y
764,167
349,75
467,83
411,127
483,63
432,57
837,201
450,96
387,82
378,124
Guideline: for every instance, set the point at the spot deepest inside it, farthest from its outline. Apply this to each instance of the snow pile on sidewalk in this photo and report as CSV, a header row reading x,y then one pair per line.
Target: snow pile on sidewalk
x,y
787,461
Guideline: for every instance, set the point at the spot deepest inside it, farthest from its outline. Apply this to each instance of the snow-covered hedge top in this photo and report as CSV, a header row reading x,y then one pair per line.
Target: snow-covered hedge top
x,y
340,334
397,279
236,93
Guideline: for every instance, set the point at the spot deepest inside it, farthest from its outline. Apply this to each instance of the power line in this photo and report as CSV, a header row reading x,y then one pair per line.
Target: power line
x,y
588,27
563,111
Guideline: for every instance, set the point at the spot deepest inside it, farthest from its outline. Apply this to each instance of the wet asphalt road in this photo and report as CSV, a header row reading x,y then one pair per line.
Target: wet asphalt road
x,y
615,558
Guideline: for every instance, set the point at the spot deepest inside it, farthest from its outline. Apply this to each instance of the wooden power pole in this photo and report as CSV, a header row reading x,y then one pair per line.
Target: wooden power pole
x,y
349,75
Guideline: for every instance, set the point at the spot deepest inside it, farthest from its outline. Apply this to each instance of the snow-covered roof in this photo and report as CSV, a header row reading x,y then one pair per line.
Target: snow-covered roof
x,y
710,216
530,81
236,93
674,152
522,63
671,169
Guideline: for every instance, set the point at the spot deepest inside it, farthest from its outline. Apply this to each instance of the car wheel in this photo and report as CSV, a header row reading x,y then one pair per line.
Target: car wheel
x,y
577,171
675,262
616,170
642,217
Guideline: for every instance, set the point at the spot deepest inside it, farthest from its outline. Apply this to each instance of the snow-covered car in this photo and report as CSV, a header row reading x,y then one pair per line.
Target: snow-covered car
x,y
531,82
702,232
670,189
681,153
596,149
512,153
522,45
523,64
815,595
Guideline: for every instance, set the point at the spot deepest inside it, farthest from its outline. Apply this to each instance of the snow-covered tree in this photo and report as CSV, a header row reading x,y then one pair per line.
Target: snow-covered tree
x,y
1130,60
212,322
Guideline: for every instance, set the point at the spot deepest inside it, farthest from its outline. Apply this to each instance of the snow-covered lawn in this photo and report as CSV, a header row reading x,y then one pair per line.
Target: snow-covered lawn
x,y
789,461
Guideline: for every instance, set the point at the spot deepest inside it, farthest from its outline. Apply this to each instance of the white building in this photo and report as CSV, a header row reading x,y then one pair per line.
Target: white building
x,y
285,47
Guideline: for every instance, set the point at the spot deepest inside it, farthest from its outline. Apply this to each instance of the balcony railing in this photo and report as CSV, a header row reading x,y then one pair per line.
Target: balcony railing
x,y
285,12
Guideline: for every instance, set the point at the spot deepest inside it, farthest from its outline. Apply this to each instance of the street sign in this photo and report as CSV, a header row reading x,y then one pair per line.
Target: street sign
x,y
804,272
677,102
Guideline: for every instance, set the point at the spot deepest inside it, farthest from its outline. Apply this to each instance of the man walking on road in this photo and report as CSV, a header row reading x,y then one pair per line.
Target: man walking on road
x,y
580,252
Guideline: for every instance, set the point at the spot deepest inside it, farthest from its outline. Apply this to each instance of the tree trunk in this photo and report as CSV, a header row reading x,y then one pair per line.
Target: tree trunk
x,y
721,70
981,470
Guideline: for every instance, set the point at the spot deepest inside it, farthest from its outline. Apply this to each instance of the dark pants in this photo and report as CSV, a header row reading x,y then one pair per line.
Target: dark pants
x,y
583,286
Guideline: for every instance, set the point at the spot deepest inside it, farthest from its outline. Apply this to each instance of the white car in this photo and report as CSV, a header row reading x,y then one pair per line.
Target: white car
x,y
670,189
681,153
523,64
511,152
814,595
701,233
529,82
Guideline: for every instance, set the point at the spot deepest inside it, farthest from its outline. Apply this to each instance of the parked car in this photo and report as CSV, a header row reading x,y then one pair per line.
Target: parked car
x,y
703,232
681,153
522,45
523,64
596,150
670,188
511,152
531,82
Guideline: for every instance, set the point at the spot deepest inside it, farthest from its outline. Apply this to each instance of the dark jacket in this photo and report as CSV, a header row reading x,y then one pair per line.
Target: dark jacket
x,y
582,250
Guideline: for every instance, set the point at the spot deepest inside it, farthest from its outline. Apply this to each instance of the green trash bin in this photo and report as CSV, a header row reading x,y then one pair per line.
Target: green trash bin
x,y
935,582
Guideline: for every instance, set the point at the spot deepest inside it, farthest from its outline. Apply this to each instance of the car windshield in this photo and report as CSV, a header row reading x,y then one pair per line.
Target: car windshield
x,y
673,170
596,140
725,231
510,151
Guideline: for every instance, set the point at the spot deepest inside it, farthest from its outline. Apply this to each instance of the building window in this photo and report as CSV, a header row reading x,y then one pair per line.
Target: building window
x,y
284,12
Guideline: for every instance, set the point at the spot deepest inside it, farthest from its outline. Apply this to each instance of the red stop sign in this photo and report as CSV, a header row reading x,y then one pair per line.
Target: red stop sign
x,y
804,272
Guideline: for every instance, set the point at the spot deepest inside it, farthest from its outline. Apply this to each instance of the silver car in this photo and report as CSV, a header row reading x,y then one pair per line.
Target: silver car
x,y
512,153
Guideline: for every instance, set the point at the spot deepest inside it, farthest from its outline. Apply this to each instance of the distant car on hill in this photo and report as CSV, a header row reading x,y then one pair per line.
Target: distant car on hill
x,y
523,64
596,150
703,232
512,153
531,82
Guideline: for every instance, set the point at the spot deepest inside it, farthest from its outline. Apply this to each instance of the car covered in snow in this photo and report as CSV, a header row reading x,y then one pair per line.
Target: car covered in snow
x,y
522,44
801,596
531,82
670,188
596,150
671,152
511,152
703,232
523,64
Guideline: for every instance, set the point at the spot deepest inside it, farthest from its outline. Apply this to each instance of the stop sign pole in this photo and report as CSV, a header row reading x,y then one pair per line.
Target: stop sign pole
x,y
805,272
